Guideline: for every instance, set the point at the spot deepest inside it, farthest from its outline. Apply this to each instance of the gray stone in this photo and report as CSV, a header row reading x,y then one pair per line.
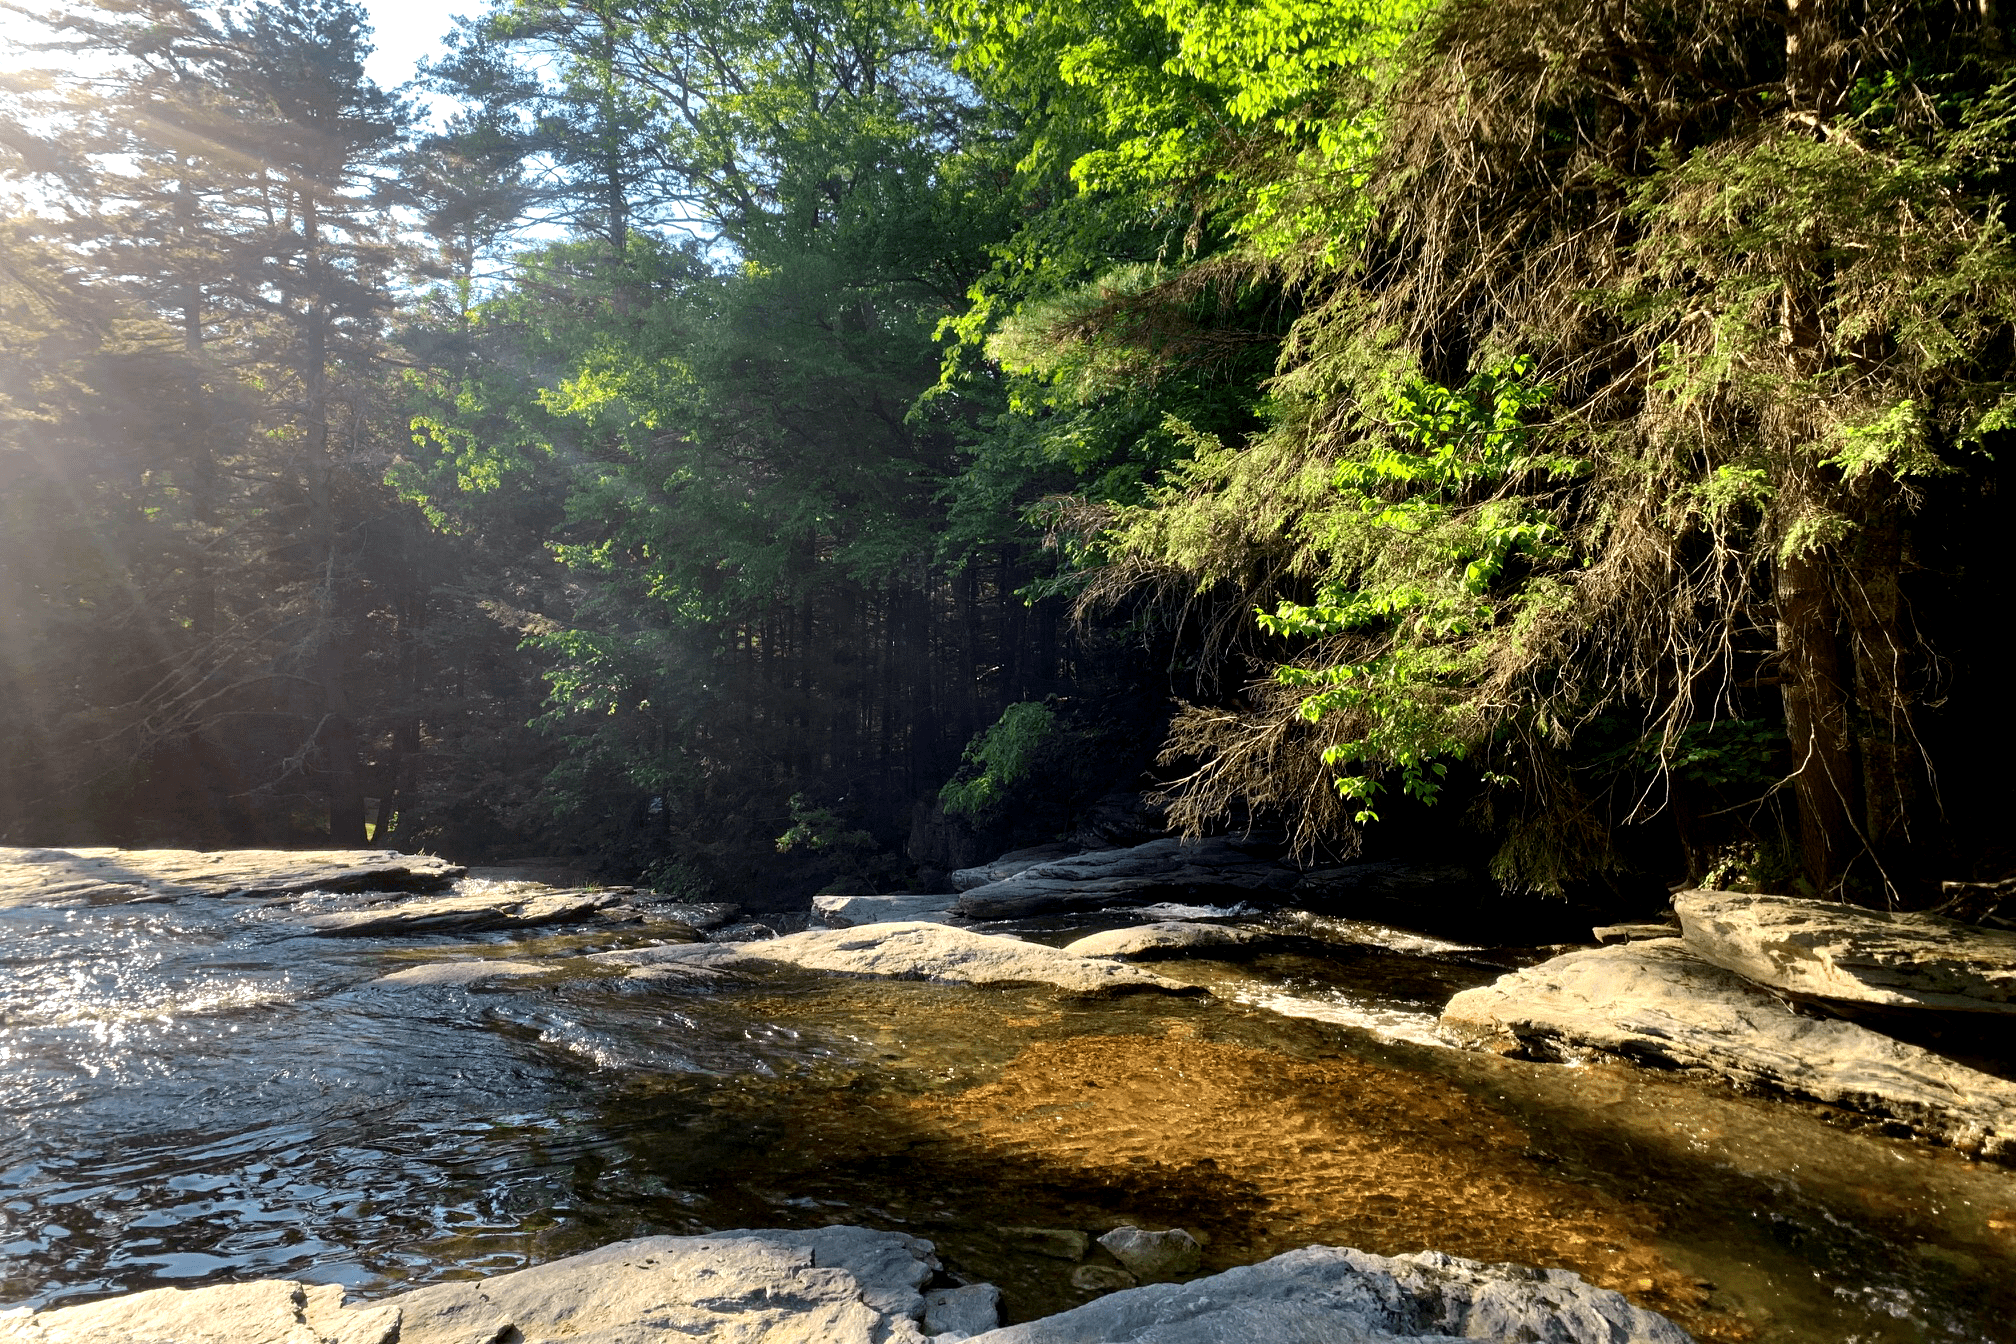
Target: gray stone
x,y
965,879
1834,951
473,912
270,1311
97,876
958,1313
830,1285
1330,1295
1607,934
845,912
1658,1003
909,951
438,973
1161,870
1154,1257
1167,938
1059,1243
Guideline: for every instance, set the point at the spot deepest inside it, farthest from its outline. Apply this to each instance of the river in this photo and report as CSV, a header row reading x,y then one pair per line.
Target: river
x,y
196,1091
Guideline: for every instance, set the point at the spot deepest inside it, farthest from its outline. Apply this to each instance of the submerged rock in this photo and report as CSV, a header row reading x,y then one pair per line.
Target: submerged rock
x,y
1154,1257
1835,951
908,951
1658,1003
845,912
1161,870
1059,1243
1329,1295
1165,938
98,876
475,912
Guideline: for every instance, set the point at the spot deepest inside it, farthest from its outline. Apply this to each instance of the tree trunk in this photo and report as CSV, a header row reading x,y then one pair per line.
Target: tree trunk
x,y
1816,721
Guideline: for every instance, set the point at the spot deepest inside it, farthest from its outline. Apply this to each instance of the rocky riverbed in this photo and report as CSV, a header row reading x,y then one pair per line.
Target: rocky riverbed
x,y
201,1086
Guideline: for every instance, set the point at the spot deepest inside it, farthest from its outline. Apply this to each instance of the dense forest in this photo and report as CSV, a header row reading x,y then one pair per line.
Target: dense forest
x,y
766,444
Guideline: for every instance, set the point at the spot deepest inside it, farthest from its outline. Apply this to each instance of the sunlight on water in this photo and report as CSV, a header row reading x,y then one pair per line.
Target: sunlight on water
x,y
200,1092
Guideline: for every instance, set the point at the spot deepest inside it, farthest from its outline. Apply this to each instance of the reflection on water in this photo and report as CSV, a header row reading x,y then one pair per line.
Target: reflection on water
x,y
194,1092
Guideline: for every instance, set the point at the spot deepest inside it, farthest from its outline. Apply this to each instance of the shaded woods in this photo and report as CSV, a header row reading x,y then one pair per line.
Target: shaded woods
x,y
1571,432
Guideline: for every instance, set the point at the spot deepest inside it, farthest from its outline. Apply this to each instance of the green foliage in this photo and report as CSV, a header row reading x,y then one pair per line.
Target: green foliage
x,y
822,830
999,759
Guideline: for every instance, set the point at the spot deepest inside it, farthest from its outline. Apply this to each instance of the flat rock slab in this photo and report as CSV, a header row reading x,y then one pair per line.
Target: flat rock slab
x,y
270,1311
440,973
472,913
1165,938
1161,870
1658,1003
1331,1295
96,876
1834,951
831,1285
1009,864
846,912
909,951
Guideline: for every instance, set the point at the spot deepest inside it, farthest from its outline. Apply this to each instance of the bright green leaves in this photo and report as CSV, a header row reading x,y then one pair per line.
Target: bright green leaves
x,y
999,759
1426,592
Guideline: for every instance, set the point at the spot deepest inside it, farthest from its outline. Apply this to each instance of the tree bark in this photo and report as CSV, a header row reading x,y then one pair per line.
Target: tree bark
x,y
1816,721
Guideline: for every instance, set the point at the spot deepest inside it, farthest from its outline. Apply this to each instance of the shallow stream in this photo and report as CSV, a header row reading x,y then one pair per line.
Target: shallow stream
x,y
197,1091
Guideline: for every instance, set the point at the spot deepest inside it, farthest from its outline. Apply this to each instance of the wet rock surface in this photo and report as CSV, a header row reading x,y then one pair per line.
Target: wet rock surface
x,y
106,876
1328,1295
1164,938
1154,1257
1219,871
845,912
1829,950
1658,1003
908,951
476,912
1011,863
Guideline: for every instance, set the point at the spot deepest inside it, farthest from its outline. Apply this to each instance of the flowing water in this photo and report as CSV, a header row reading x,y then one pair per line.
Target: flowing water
x,y
195,1092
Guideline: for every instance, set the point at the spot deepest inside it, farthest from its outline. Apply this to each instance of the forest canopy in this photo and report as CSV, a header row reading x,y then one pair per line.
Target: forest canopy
x,y
777,442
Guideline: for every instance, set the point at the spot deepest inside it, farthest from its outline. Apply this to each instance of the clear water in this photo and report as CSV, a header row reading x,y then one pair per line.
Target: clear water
x,y
197,1092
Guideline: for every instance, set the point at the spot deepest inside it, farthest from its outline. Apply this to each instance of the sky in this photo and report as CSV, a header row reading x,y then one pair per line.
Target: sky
x,y
407,31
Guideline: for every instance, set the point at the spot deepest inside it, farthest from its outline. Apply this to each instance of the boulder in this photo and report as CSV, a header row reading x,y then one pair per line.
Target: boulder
x,y
1657,1003
474,912
1154,1257
1834,951
908,951
100,876
1016,861
1329,1295
959,1313
844,912
1165,938
829,1285
1161,870
269,1311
